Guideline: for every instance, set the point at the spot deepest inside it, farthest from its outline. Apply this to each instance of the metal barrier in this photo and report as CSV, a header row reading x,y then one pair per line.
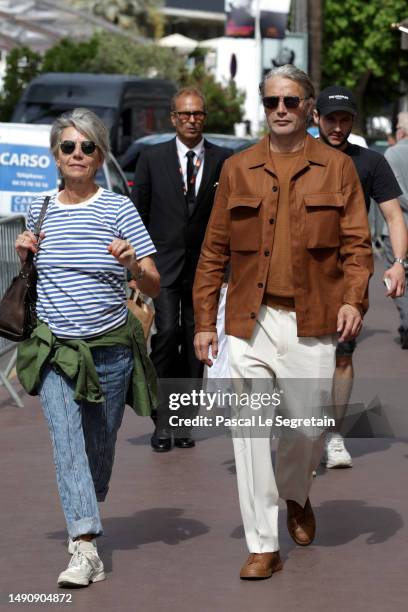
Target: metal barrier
x,y
9,268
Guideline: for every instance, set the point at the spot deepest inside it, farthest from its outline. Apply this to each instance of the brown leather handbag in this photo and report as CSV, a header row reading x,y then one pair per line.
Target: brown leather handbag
x,y
142,311
17,306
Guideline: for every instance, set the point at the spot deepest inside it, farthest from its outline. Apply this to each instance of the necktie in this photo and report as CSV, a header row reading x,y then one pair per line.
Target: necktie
x,y
190,195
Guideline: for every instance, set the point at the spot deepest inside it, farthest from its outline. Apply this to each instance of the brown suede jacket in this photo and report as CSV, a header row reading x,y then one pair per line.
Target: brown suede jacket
x,y
330,240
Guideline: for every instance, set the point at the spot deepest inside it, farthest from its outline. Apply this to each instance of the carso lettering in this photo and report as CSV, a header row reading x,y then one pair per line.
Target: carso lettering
x,y
24,160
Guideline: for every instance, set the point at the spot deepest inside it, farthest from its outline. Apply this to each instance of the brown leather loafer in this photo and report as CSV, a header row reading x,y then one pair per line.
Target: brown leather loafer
x,y
301,522
261,565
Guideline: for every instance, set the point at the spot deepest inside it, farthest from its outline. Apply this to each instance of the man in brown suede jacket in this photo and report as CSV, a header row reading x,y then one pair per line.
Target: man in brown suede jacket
x,y
289,216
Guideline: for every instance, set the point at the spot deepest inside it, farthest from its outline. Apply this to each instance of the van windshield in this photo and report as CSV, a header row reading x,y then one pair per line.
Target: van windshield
x,y
48,113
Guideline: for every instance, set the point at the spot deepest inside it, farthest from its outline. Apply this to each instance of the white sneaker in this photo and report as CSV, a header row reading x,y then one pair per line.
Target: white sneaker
x,y
71,546
336,455
85,566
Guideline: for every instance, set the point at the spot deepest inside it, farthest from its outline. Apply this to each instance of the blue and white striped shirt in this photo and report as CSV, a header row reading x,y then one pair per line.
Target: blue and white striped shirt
x,y
80,284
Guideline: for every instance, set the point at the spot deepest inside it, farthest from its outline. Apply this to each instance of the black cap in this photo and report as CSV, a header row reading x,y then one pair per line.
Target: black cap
x,y
336,98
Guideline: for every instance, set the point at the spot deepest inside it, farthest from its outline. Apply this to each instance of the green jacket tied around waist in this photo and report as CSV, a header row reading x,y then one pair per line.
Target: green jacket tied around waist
x,y
73,358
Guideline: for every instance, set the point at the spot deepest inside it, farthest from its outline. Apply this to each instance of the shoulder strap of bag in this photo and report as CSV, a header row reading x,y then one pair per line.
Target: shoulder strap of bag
x,y
28,264
40,219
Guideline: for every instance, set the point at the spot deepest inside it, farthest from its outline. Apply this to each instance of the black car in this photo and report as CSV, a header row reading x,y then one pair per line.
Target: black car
x,y
129,159
130,106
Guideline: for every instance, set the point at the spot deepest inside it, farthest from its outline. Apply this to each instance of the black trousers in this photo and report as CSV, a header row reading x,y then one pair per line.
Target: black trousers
x,y
173,350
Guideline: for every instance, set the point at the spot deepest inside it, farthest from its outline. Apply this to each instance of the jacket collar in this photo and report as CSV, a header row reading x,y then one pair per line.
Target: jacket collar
x,y
314,153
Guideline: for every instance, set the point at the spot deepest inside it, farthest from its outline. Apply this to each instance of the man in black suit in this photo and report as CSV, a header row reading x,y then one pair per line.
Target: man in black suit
x,y
174,189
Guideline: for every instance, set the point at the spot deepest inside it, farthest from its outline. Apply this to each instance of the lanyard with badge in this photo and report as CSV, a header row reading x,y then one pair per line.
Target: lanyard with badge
x,y
196,169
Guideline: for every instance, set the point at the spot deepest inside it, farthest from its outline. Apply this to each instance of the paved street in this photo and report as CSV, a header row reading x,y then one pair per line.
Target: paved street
x,y
173,535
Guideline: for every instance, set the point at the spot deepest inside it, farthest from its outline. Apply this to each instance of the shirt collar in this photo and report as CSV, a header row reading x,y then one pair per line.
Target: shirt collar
x,y
314,151
182,149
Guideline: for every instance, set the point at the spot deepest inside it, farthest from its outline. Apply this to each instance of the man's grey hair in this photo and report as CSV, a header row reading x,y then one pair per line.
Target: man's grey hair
x,y
289,71
86,122
403,121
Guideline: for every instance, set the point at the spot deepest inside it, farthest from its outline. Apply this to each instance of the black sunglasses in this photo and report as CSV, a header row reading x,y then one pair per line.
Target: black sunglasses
x,y
68,146
272,102
185,115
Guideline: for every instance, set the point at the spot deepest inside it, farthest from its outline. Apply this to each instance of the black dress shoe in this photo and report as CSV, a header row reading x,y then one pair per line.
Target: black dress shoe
x,y
184,442
160,445
403,337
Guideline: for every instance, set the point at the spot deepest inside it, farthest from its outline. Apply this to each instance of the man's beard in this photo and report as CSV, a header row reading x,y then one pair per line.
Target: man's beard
x,y
323,136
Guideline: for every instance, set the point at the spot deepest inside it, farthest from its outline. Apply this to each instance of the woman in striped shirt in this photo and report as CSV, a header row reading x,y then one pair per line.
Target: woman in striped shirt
x,y
87,356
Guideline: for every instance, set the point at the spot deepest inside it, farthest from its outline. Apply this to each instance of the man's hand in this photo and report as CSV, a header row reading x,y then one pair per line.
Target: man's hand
x,y
202,342
349,323
396,277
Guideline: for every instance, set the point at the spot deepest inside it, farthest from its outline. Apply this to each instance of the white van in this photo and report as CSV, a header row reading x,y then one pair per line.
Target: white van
x,y
28,169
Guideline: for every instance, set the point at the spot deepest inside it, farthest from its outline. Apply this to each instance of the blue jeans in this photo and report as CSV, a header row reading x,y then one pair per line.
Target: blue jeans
x,y
84,435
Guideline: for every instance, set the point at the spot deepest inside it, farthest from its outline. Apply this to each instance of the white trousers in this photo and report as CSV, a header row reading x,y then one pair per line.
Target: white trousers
x,y
275,352
220,367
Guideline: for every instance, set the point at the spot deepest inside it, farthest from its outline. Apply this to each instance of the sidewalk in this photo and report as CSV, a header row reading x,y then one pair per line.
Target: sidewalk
x,y
173,536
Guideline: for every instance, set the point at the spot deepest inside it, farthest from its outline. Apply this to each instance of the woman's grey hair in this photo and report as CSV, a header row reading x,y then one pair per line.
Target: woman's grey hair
x,y
86,122
289,71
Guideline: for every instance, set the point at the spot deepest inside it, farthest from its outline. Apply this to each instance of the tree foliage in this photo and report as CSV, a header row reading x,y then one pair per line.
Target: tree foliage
x,y
21,66
116,54
361,51
224,102
70,56
113,54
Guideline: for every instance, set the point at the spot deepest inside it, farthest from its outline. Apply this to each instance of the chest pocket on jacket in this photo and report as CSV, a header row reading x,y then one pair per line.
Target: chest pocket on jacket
x,y
246,230
322,228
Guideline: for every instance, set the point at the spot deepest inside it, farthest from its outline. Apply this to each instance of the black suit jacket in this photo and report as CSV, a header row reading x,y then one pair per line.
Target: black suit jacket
x,y
159,198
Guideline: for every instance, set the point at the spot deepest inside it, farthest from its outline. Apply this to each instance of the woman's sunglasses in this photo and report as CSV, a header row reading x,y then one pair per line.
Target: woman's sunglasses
x,y
272,102
68,146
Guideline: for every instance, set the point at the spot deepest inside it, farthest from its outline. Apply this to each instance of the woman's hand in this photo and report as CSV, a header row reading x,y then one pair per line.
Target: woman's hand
x,y
25,242
144,272
149,281
123,251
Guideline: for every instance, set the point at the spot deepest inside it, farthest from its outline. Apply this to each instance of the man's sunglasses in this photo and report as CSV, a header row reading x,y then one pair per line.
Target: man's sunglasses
x,y
68,146
185,115
272,102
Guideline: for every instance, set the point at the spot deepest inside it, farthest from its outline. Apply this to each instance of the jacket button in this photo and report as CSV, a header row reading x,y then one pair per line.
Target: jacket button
x,y
271,220
274,188
267,253
260,285
252,315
